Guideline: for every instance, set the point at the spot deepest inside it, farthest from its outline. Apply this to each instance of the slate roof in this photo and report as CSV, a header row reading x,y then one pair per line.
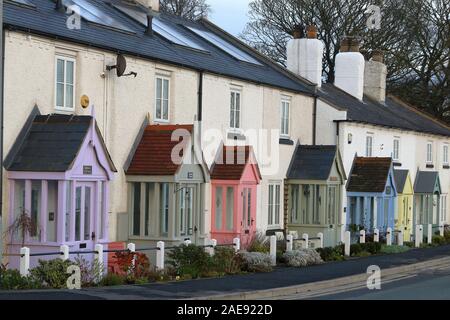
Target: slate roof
x,y
393,113
51,144
425,182
45,20
312,162
231,161
400,177
369,174
153,155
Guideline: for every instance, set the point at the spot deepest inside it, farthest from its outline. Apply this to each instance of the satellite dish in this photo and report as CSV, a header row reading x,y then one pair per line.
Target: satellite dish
x,y
121,65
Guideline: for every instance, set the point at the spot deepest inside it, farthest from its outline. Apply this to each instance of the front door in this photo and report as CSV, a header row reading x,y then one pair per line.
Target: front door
x,y
248,224
84,217
188,226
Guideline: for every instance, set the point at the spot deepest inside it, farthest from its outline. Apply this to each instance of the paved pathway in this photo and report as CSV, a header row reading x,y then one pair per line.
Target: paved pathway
x,y
281,277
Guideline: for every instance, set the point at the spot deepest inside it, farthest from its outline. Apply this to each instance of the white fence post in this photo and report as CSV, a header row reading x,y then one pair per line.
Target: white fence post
x,y
24,261
99,253
421,233
305,238
389,236
132,248
289,242
160,256
273,250
430,234
211,247
320,236
64,249
417,236
237,244
347,237
187,242
441,229
400,238
362,236
376,235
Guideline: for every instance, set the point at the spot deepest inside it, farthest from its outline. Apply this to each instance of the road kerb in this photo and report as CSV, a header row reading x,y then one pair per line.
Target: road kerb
x,y
308,287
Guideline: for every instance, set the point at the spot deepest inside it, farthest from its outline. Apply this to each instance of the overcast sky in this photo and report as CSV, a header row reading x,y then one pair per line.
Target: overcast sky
x,y
230,15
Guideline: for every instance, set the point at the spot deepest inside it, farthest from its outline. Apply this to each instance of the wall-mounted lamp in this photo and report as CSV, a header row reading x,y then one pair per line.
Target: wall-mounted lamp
x,y
350,138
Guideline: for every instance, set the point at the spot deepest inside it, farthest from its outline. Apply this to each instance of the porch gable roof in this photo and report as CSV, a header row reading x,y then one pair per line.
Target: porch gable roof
x,y
427,182
313,163
153,155
369,175
232,161
51,143
400,177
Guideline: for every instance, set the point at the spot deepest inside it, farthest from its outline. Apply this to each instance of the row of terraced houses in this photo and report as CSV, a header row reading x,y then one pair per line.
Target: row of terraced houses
x,y
139,126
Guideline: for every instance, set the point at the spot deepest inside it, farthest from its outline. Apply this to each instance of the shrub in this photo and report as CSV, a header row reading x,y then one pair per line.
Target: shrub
x,y
409,244
140,269
363,254
256,261
372,247
12,280
332,254
112,279
302,258
356,249
394,249
51,273
225,261
259,243
190,260
447,234
91,272
439,240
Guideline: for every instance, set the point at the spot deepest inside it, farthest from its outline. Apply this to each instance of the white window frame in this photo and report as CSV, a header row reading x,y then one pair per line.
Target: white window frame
x,y
396,149
429,152
65,59
369,147
273,206
285,121
162,78
234,113
445,155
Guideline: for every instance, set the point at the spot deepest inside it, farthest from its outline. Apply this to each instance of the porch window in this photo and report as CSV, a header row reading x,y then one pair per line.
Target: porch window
x,y
136,209
219,207
230,208
69,206
52,209
443,208
162,99
295,190
64,86
332,205
285,116
247,207
164,208
235,110
36,189
274,204
311,202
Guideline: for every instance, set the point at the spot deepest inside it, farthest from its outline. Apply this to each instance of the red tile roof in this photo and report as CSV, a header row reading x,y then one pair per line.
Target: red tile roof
x,y
153,156
369,174
231,162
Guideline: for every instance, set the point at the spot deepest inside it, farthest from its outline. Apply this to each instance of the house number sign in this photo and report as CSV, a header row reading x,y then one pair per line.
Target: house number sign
x,y
87,170
190,175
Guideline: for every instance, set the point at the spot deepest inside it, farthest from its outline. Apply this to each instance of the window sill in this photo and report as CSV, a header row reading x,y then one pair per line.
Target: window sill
x,y
271,232
397,164
430,166
286,141
161,121
446,167
64,110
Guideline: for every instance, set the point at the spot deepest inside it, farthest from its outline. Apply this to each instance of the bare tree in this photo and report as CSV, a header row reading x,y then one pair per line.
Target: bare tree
x,y
414,35
189,9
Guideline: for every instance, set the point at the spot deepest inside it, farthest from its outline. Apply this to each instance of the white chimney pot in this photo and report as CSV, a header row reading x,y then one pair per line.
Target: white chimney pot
x,y
304,58
349,73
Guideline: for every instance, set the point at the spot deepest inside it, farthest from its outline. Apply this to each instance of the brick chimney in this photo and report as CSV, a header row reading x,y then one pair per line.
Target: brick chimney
x,y
349,68
375,75
154,4
304,54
